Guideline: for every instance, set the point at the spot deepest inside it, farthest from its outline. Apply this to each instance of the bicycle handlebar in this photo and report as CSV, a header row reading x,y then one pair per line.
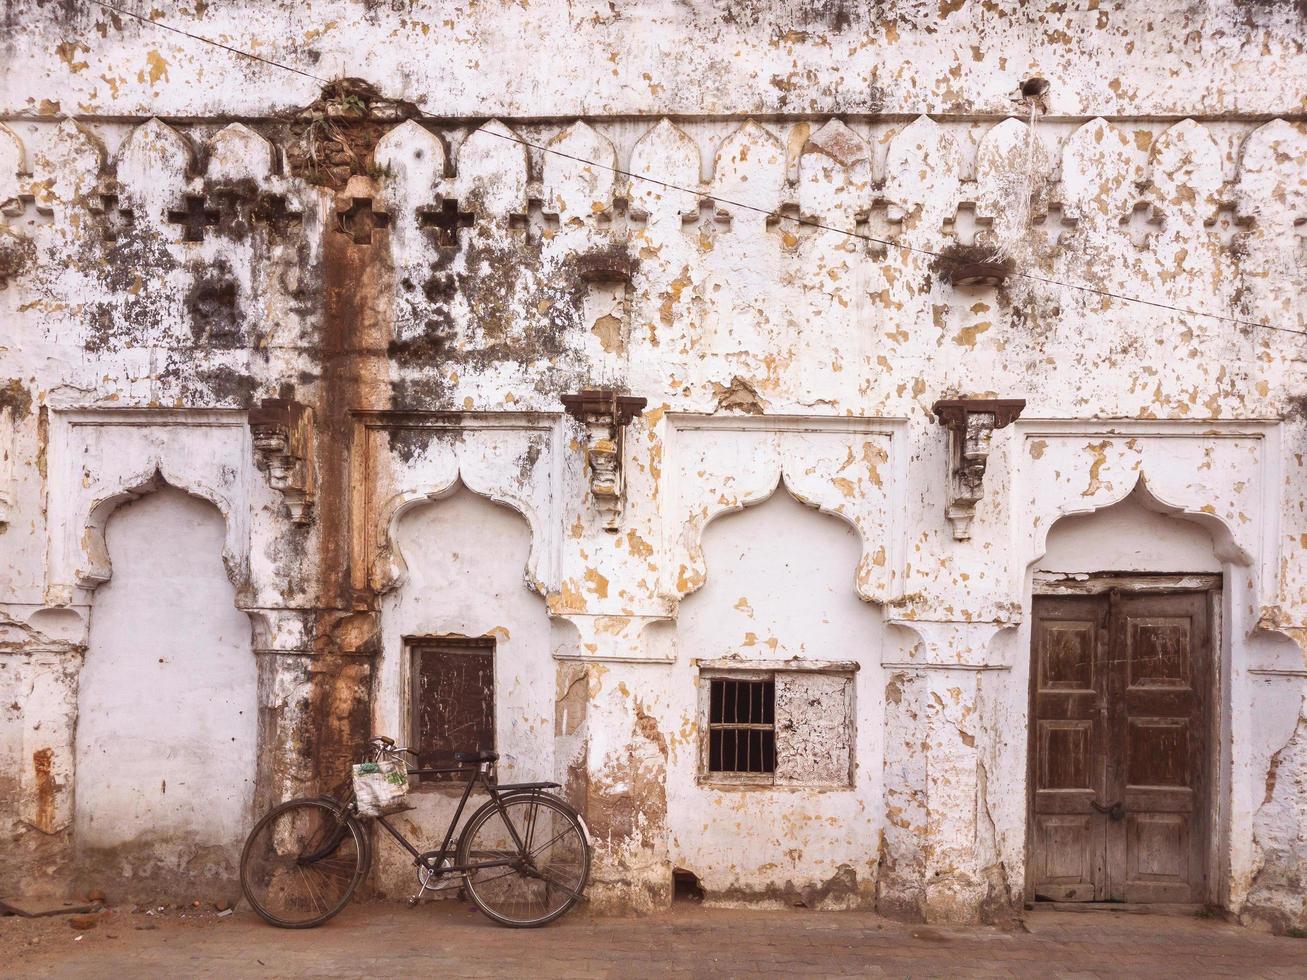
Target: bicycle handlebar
x,y
384,744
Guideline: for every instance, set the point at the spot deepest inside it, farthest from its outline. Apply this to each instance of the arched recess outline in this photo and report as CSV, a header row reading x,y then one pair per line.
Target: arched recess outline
x,y
1224,476
1224,545
511,458
99,569
100,459
390,568
850,468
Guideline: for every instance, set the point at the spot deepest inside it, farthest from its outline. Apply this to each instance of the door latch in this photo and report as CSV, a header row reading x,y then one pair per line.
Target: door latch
x,y
1115,811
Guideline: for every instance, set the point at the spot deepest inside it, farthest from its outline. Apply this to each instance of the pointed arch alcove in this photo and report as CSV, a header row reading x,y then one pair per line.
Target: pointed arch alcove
x,y
101,459
1163,509
166,741
779,603
465,590
850,468
147,571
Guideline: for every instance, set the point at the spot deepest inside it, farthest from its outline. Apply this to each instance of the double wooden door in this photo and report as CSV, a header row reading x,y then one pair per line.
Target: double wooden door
x,y
1120,735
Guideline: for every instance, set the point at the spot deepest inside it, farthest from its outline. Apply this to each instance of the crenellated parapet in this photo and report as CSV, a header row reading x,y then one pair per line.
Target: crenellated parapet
x,y
794,264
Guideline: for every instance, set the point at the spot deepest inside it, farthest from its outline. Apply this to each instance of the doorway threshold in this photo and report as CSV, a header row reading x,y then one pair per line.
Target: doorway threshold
x,y
1129,908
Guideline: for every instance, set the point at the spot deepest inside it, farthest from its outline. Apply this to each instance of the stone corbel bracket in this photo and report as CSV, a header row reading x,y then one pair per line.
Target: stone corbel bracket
x,y
605,414
282,432
971,423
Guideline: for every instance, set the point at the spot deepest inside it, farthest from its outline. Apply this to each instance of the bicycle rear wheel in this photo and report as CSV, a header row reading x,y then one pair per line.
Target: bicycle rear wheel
x,y
541,881
302,862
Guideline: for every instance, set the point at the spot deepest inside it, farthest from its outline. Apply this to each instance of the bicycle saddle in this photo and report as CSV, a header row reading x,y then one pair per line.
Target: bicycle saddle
x,y
483,755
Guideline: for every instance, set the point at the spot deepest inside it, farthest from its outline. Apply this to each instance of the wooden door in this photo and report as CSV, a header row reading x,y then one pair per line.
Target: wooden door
x,y
1120,711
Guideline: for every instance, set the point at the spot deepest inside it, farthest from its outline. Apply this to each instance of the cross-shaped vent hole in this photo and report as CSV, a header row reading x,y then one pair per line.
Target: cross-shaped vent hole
x,y
444,222
361,220
194,217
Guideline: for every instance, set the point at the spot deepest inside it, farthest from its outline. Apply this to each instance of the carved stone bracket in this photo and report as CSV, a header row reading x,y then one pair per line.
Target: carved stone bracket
x,y
971,423
283,449
605,414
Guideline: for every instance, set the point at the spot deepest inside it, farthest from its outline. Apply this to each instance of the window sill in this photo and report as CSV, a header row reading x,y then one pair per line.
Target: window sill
x,y
730,785
807,666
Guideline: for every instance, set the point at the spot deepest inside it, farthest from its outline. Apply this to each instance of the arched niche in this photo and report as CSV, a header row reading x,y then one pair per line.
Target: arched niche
x,y
1138,527
389,568
1144,542
512,458
777,568
101,459
849,468
1136,534
98,568
166,738
465,556
778,598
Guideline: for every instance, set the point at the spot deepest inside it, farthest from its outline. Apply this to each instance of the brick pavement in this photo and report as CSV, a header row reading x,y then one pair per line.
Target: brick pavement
x,y
453,940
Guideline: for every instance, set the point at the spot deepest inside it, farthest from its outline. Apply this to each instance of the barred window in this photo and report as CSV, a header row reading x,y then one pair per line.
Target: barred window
x,y
777,724
742,726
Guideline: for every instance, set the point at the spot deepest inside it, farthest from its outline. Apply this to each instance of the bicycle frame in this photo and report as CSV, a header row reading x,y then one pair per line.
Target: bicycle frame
x,y
434,861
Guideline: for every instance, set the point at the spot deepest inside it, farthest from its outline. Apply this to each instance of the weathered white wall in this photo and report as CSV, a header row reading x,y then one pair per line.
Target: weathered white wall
x,y
1164,167
166,718
466,560
691,57
780,585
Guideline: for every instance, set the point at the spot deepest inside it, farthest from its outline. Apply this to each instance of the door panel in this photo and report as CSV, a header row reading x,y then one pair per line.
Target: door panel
x,y
1120,714
1157,852
1162,718
1067,837
1068,846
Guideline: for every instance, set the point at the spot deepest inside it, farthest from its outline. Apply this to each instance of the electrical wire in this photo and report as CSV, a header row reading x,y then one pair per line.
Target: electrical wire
x,y
208,40
808,222
701,195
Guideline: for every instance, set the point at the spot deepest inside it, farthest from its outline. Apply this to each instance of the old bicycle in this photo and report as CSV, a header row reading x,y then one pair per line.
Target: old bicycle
x,y
523,857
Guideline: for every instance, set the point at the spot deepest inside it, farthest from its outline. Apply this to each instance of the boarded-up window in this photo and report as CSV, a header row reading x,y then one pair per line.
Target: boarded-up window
x,y
790,727
453,698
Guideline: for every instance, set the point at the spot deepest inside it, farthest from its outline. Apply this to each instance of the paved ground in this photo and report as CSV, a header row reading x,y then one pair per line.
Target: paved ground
x,y
453,940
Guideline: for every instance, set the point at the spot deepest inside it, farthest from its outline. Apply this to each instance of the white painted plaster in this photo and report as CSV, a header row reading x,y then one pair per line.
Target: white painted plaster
x,y
466,559
780,585
766,352
166,722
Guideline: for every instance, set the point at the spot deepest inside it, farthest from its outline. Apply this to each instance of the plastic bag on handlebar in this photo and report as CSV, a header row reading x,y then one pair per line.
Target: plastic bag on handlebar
x,y
380,787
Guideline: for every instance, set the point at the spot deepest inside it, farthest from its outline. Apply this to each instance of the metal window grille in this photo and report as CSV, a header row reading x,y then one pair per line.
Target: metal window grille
x,y
742,726
453,684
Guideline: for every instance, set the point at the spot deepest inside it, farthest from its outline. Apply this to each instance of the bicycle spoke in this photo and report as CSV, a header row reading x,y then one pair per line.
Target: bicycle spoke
x,y
309,888
542,890
556,837
329,879
530,826
551,880
506,874
339,867
280,884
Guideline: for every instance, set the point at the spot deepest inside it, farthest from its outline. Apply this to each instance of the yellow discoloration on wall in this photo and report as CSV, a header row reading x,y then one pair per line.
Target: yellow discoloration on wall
x,y
158,67
1098,452
598,583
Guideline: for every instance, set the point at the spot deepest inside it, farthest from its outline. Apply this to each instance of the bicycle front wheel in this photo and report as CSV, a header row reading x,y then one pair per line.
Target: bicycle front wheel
x,y
532,885
302,862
